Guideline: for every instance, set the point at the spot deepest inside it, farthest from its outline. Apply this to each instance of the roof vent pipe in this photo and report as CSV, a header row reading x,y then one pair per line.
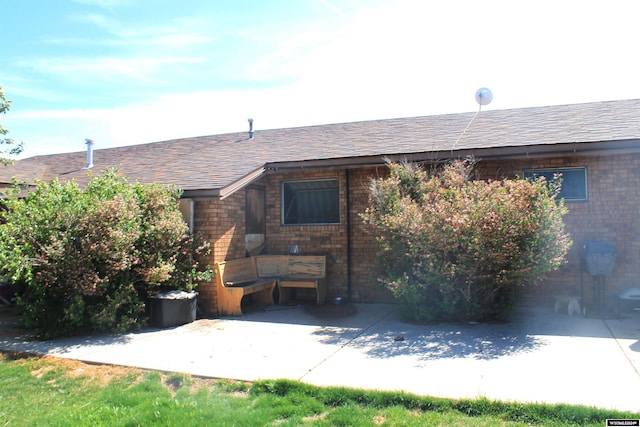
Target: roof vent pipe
x,y
250,128
89,143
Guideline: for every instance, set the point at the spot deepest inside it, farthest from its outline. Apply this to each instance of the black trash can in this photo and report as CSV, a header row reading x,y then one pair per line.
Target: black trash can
x,y
172,308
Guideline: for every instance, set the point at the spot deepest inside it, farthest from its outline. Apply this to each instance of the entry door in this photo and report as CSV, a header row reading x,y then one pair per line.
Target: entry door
x,y
255,219
255,211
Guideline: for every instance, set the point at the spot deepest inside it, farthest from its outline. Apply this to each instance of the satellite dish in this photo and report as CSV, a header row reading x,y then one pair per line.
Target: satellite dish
x,y
484,96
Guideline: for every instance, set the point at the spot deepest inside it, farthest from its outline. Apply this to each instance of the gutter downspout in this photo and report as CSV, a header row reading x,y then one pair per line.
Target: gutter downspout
x,y
348,207
192,216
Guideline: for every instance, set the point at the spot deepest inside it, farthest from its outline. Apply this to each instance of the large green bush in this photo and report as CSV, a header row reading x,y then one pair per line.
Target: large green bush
x,y
453,248
86,259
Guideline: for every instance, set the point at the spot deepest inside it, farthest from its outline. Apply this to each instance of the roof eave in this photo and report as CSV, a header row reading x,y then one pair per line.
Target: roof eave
x,y
228,190
541,150
529,151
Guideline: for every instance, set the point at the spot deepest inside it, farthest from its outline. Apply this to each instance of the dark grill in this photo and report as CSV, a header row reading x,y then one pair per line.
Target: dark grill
x,y
598,260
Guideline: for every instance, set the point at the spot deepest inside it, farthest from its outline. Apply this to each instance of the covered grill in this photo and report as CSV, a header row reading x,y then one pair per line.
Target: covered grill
x,y
598,260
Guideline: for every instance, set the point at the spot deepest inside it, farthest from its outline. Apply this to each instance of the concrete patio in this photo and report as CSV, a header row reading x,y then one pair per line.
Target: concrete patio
x,y
539,356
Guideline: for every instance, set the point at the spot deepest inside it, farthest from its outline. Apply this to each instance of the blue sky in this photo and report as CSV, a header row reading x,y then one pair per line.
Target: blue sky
x,y
126,72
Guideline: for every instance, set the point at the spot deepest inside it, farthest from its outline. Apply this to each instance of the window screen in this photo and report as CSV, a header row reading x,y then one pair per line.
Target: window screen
x,y
574,181
311,202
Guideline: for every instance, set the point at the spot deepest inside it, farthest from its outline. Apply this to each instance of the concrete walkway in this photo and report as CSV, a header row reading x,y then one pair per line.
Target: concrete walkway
x,y
540,356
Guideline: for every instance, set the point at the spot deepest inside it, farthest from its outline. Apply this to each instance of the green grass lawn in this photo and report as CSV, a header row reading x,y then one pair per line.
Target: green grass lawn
x,y
45,391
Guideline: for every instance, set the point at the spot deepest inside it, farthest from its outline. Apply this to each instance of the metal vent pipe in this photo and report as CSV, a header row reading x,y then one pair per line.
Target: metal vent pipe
x,y
89,143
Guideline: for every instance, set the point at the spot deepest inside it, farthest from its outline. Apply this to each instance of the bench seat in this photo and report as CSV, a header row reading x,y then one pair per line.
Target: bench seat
x,y
237,278
259,275
295,271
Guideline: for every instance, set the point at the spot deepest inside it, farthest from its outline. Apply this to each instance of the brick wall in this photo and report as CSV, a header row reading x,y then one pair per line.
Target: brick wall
x,y
221,223
329,240
205,224
363,246
611,214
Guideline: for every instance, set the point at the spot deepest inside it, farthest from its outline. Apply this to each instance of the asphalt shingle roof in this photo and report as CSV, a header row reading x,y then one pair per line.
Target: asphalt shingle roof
x,y
218,161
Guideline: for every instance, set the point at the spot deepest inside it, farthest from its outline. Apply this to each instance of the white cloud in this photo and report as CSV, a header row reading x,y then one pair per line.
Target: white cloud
x,y
332,7
177,40
405,58
413,52
97,19
106,4
179,33
107,68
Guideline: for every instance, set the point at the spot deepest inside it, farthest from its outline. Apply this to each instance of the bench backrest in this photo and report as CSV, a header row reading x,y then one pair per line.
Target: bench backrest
x,y
269,266
291,266
236,271
306,266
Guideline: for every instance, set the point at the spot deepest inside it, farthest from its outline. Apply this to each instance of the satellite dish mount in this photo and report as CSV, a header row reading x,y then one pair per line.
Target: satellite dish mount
x,y
483,97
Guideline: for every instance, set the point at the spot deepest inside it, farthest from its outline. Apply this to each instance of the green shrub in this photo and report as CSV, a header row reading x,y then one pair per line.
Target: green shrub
x,y
86,259
452,248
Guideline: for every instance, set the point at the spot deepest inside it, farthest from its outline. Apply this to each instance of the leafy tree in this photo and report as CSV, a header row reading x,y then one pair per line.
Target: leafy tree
x,y
86,259
5,104
452,248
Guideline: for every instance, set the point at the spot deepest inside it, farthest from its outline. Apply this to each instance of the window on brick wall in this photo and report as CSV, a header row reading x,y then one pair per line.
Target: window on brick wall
x,y
311,202
574,181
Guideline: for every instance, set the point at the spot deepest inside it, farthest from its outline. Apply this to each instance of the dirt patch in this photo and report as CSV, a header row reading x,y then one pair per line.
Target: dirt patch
x,y
174,382
105,374
198,383
96,374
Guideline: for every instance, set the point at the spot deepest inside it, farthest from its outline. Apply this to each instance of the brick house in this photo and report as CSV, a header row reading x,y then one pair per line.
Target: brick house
x,y
307,186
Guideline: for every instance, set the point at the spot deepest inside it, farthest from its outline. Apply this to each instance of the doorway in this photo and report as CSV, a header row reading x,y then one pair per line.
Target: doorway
x,y
255,220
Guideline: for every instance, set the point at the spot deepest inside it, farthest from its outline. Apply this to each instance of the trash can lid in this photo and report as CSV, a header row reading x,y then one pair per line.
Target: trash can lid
x,y
174,295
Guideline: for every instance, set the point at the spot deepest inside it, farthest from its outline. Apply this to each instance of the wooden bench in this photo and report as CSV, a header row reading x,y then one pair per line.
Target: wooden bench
x,y
295,271
237,278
